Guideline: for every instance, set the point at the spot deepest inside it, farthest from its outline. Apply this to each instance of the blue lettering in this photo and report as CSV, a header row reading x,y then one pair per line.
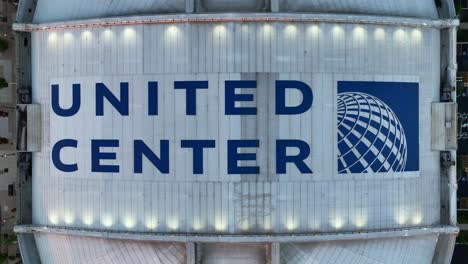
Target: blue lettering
x,y
75,104
120,105
191,93
280,98
231,98
140,149
97,156
282,158
234,156
198,146
152,98
56,155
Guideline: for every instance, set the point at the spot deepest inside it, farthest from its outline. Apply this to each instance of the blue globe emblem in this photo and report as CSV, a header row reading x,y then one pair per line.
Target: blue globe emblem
x,y
371,138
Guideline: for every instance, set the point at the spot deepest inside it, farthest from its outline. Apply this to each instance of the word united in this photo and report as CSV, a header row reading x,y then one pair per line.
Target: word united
x,y
161,160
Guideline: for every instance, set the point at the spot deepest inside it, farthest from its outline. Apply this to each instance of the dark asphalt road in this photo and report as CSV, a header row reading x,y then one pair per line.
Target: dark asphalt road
x,y
460,256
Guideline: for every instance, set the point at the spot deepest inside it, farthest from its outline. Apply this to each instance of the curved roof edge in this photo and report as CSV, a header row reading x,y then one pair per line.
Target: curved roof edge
x,y
47,11
211,238
251,17
74,249
436,241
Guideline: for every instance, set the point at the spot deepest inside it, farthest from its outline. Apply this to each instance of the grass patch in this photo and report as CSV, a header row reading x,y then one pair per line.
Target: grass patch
x,y
462,237
3,258
462,217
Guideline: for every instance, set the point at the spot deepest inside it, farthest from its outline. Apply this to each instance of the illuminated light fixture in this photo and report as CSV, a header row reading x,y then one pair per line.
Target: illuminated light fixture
x,y
107,221
129,222
314,29
69,218
337,31
197,226
172,33
267,28
400,216
129,33
291,30
416,219
53,218
151,223
219,29
221,225
52,38
88,219
400,36
359,32
416,34
337,222
173,29
108,33
379,33
173,224
291,224
86,34
360,221
245,225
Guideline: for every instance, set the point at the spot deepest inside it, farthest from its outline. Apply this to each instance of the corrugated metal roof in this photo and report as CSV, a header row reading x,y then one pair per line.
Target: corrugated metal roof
x,y
379,251
77,249
405,8
74,249
65,10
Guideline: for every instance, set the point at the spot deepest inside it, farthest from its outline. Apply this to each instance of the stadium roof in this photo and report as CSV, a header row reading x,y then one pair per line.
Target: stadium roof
x,y
61,10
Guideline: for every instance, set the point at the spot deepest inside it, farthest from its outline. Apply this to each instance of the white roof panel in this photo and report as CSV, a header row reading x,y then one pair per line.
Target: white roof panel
x,y
405,8
65,10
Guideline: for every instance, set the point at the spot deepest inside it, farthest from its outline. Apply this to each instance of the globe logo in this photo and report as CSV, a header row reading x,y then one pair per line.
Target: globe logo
x,y
371,138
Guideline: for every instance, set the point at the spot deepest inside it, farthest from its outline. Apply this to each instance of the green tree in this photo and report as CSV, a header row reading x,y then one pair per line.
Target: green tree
x,y
3,83
3,45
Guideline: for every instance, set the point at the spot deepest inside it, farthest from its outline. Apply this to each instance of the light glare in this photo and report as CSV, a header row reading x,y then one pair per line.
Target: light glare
x,y
173,224
107,221
69,218
400,216
151,223
88,219
291,30
129,222
291,224
337,222
400,36
219,29
221,225
314,30
417,219
53,218
379,34
416,34
129,33
52,39
359,32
